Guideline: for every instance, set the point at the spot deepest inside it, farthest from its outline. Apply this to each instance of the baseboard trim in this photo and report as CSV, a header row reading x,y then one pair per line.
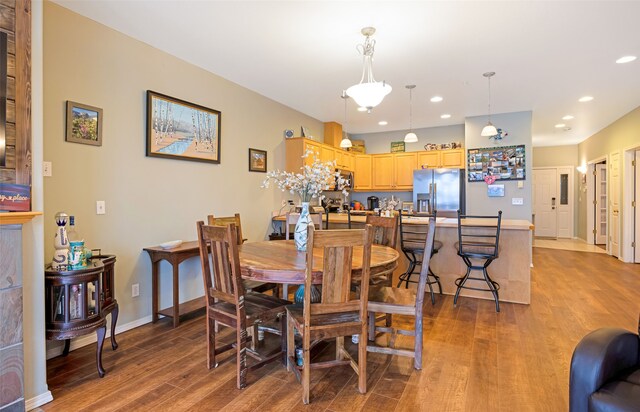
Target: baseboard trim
x,y
38,400
91,338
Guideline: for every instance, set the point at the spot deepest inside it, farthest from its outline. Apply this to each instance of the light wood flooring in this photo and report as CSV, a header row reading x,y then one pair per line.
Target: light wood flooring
x,y
577,245
475,359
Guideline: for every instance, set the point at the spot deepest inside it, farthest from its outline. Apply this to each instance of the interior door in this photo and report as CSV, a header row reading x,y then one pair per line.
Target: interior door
x,y
544,202
637,206
614,202
600,205
564,204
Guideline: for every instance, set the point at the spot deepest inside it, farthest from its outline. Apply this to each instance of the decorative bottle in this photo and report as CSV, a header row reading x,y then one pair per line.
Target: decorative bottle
x,y
60,242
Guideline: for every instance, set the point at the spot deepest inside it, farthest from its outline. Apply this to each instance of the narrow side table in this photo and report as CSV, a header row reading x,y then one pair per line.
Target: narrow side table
x,y
174,256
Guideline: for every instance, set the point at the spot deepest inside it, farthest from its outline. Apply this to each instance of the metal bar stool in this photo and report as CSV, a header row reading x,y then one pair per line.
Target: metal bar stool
x,y
478,238
412,240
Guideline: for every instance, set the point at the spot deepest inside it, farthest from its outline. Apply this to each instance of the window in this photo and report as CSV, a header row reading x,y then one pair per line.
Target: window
x,y
564,189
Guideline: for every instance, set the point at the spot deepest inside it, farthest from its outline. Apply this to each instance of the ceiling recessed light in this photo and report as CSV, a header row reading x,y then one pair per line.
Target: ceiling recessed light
x,y
362,109
567,117
445,116
383,123
436,99
584,99
626,59
560,125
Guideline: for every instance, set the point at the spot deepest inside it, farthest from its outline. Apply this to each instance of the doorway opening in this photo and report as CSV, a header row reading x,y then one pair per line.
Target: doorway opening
x,y
600,204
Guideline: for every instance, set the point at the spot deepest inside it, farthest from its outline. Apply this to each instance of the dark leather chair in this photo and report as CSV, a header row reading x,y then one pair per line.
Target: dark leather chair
x,y
605,372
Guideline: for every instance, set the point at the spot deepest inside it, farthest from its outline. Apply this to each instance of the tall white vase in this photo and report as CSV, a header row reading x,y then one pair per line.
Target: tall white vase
x,y
300,234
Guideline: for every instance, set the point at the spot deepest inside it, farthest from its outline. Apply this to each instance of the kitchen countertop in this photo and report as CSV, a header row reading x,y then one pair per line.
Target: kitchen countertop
x,y
507,224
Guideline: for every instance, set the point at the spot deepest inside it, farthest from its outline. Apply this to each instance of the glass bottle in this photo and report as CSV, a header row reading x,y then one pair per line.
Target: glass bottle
x,y
72,233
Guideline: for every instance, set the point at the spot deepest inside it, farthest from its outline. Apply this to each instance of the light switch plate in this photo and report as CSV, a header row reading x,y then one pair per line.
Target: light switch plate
x,y
517,201
101,208
520,184
47,169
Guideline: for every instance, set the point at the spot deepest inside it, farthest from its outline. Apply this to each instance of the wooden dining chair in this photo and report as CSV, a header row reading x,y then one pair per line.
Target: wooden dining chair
x,y
229,304
339,313
390,300
385,232
235,219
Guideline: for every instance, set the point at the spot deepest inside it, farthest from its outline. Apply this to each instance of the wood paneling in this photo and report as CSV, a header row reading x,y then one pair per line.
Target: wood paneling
x,y
23,92
475,358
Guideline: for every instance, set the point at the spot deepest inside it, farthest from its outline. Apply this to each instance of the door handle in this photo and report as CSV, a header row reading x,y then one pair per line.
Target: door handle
x,y
553,203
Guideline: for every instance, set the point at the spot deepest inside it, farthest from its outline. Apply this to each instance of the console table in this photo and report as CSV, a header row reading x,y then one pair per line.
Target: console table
x,y
78,301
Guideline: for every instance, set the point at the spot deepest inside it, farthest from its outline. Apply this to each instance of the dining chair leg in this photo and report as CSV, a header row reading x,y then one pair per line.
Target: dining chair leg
x,y
339,347
388,320
241,355
362,360
417,351
211,343
291,344
372,326
306,369
284,336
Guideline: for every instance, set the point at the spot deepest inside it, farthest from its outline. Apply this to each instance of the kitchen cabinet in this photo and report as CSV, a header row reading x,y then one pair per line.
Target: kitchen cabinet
x,y
393,171
327,154
344,160
295,148
449,159
362,173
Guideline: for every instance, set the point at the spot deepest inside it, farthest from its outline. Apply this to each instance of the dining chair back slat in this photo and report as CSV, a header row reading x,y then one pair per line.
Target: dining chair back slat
x,y
226,220
385,230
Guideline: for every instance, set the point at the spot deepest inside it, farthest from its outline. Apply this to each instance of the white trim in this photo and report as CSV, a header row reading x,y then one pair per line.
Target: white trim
x,y
620,205
626,251
38,400
590,196
91,338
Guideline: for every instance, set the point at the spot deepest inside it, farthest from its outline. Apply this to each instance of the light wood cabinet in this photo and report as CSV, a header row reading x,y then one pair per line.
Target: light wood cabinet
x,y
327,154
362,173
449,159
404,165
344,160
295,148
382,172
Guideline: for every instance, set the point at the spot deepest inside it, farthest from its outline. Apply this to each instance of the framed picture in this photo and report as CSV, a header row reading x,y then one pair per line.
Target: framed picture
x,y
257,160
397,147
495,190
177,129
506,163
84,124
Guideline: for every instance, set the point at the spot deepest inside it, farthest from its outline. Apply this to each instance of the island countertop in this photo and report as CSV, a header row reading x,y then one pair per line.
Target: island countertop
x,y
506,224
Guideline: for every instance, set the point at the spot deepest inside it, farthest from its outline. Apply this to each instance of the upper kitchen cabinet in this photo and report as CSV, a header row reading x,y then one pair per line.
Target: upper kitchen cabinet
x,y
344,160
362,175
296,147
448,159
327,154
393,171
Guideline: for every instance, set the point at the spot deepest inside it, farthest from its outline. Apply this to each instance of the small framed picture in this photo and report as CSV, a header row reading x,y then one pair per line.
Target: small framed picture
x,y
257,160
84,124
495,190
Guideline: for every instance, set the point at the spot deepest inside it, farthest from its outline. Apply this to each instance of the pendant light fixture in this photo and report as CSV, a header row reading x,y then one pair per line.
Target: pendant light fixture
x,y
489,130
410,137
346,142
368,93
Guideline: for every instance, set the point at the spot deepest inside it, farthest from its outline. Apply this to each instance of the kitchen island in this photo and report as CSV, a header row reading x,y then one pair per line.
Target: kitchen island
x,y
512,269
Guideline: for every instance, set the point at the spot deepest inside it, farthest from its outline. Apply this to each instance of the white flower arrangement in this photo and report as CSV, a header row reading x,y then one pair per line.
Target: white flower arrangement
x,y
313,180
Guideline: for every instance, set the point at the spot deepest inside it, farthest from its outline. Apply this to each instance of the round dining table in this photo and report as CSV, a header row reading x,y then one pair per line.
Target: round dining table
x,y
278,261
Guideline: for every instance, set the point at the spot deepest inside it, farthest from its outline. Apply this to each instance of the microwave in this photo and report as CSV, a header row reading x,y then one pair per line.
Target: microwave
x,y
346,175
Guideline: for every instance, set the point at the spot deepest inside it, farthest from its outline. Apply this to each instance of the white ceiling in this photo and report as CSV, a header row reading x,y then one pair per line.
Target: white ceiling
x,y
302,54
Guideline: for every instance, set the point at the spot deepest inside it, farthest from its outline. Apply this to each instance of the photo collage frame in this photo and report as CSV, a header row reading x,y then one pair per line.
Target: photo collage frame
x,y
505,163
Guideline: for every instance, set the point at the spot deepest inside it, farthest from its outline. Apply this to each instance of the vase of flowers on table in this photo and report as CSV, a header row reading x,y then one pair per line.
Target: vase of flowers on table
x,y
309,184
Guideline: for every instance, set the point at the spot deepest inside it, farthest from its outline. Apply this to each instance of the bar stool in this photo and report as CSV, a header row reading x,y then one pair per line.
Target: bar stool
x,y
478,238
412,241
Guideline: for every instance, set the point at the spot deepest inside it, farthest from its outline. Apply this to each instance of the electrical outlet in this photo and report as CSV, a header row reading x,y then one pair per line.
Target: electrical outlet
x,y
101,207
517,201
135,290
46,169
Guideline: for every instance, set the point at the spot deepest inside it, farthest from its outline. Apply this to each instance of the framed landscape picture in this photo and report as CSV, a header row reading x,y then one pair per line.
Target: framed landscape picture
x,y
177,129
257,160
84,124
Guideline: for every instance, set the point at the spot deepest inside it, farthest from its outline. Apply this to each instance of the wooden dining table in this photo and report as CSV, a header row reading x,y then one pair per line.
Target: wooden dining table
x,y
275,261
278,261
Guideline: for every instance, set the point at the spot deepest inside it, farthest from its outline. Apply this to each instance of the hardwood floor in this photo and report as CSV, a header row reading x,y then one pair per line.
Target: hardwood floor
x,y
475,359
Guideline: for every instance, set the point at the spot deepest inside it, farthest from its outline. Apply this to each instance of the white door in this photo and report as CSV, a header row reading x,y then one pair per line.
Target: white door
x,y
564,203
637,207
614,203
544,202
600,204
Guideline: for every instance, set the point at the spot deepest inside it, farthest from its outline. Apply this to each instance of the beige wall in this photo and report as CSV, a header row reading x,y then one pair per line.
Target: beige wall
x,y
619,136
149,200
552,156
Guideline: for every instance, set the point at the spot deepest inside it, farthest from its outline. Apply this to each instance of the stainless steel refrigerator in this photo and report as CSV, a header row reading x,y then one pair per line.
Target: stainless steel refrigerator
x,y
442,190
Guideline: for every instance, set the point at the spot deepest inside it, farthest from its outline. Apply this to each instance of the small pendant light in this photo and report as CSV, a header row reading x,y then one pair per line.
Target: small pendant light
x,y
346,142
489,130
410,137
